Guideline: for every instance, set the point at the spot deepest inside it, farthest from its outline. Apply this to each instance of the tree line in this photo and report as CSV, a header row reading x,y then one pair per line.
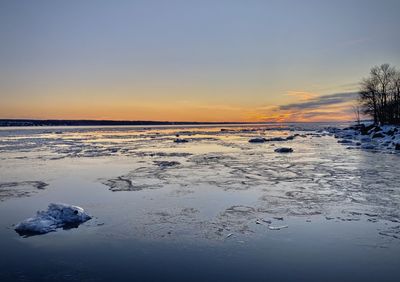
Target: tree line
x,y
379,94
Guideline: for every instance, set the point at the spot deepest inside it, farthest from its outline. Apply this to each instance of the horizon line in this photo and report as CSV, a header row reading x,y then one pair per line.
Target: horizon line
x,y
7,122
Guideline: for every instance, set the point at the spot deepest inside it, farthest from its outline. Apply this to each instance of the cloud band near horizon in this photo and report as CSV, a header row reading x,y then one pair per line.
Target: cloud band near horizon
x,y
321,101
331,107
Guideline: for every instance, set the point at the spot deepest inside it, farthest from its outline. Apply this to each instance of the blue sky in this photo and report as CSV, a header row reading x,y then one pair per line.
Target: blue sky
x,y
186,60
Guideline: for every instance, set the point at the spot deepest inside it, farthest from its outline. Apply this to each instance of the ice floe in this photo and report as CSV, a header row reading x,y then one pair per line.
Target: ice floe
x,y
20,189
165,164
56,216
180,140
284,150
321,179
277,227
257,140
276,139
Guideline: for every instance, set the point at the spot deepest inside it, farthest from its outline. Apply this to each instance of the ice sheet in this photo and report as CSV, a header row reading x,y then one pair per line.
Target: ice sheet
x,y
217,183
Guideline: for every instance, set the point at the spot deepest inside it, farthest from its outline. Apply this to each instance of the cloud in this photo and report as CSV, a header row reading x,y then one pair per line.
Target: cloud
x,y
321,101
332,107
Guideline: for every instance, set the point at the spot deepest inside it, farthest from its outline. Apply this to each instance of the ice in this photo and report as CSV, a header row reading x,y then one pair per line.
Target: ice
x,y
284,150
378,135
393,232
345,141
36,225
56,216
277,227
279,139
257,140
229,235
20,189
180,140
165,164
230,182
367,146
370,137
365,139
125,183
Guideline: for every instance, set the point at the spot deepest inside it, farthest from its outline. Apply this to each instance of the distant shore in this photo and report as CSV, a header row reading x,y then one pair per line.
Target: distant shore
x,y
56,122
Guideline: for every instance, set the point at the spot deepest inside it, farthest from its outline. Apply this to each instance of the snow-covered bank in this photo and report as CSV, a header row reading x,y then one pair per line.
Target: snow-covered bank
x,y
369,137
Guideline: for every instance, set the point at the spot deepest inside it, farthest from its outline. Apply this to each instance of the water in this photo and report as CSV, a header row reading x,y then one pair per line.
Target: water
x,y
190,211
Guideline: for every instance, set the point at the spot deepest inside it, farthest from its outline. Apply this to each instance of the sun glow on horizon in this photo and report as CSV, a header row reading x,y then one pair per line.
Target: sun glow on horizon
x,y
187,111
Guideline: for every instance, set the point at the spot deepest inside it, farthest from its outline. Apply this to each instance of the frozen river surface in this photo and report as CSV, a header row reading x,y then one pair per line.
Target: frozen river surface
x,y
215,208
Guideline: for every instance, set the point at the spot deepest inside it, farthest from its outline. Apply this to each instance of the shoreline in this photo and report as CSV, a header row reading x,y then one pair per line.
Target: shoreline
x,y
369,137
83,122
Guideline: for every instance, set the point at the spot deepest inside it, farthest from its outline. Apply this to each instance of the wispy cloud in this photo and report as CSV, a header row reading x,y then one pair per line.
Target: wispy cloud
x,y
332,107
320,101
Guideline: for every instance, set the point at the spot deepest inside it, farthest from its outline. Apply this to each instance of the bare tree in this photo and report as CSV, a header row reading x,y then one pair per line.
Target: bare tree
x,y
357,113
369,97
380,94
395,89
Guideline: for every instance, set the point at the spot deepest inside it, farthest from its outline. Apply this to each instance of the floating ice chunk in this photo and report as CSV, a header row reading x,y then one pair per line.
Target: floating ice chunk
x,y
257,140
66,213
180,140
367,146
345,141
36,225
120,183
20,189
165,164
365,139
229,235
56,216
371,214
378,135
277,227
393,232
284,150
276,139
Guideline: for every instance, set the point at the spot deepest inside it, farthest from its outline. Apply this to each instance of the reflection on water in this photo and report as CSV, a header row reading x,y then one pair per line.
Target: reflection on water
x,y
211,209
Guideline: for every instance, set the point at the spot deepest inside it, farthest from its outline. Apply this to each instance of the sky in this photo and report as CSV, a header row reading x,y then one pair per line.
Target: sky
x,y
183,60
